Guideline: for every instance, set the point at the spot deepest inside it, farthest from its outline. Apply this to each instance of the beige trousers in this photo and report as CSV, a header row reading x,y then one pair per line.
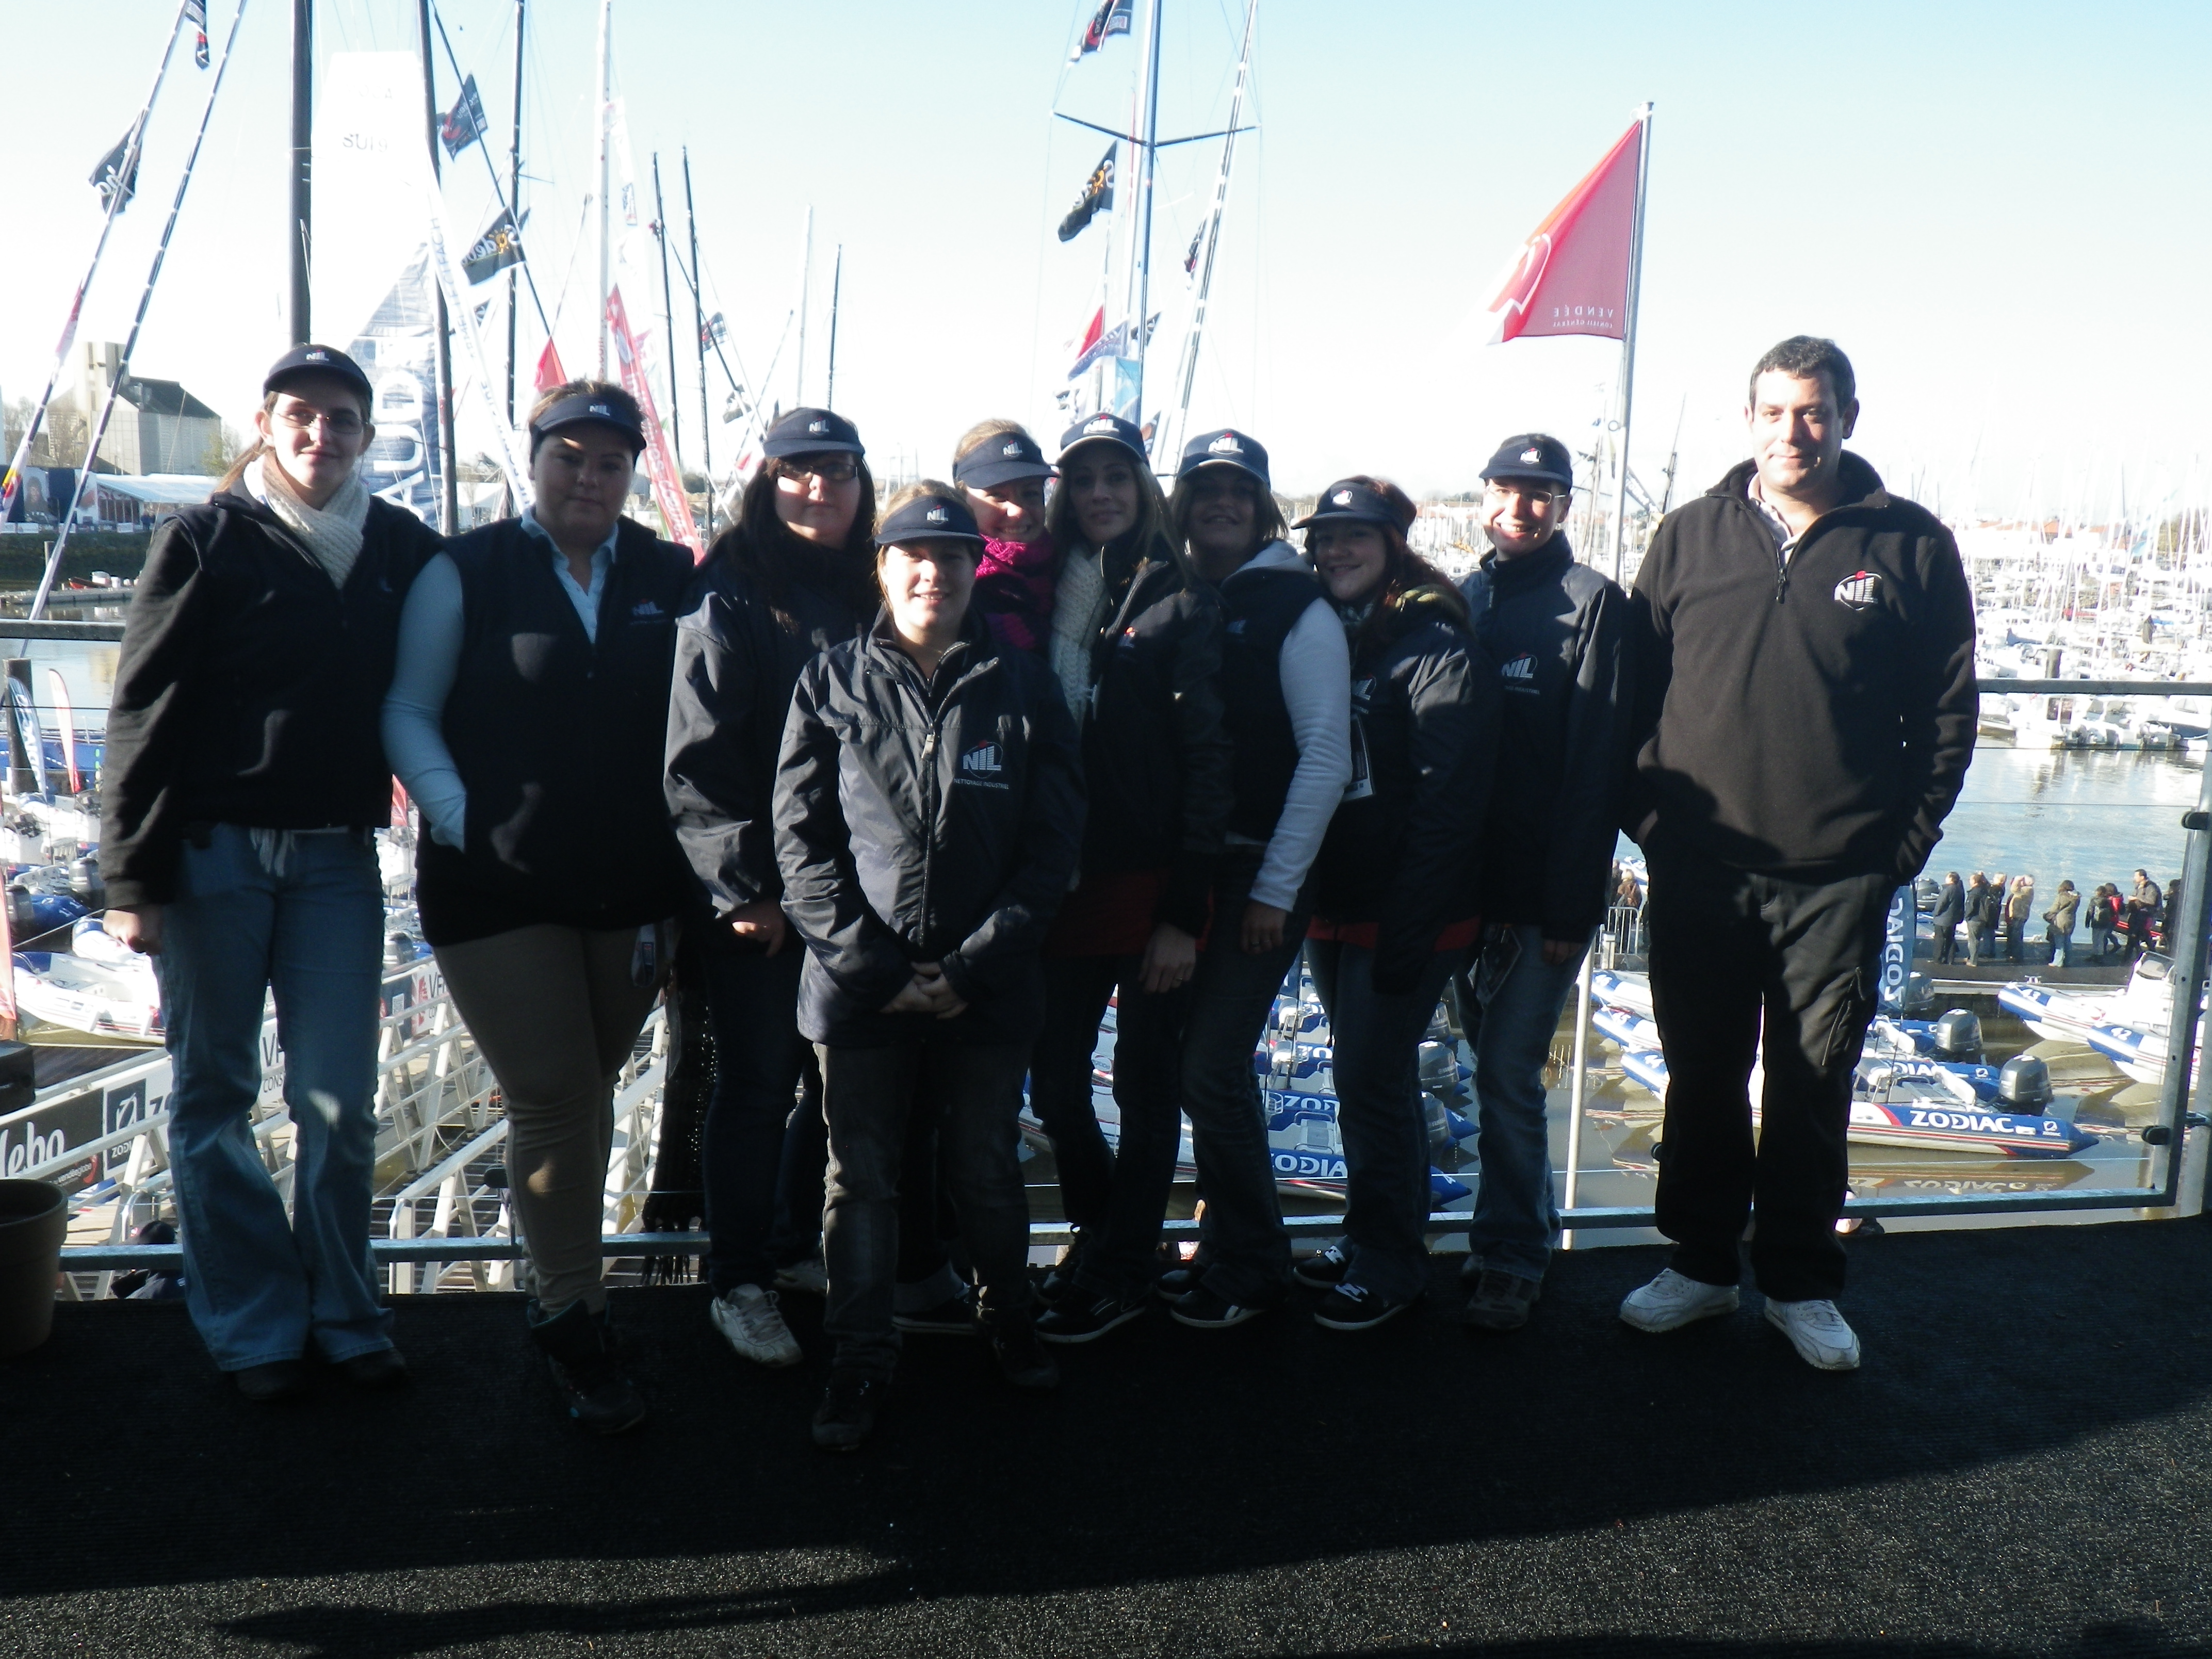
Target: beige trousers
x,y
555,1013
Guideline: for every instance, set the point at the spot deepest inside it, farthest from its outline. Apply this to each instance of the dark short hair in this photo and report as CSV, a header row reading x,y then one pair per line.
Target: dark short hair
x,y
1805,356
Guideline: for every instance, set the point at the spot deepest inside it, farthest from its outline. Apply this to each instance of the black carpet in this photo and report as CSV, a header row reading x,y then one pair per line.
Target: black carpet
x,y
2019,1468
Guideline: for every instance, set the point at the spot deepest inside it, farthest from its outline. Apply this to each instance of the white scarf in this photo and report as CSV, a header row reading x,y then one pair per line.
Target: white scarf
x,y
333,532
1079,606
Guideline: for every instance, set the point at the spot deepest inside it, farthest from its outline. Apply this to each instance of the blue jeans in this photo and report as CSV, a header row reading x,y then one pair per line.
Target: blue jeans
x,y
755,1140
868,1094
262,1288
1516,1219
1241,1236
1379,1114
2062,949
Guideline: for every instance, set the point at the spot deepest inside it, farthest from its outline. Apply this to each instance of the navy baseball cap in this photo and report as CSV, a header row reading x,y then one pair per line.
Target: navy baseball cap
x,y
1532,455
812,431
1227,447
1106,428
1000,458
1350,501
929,518
592,408
312,359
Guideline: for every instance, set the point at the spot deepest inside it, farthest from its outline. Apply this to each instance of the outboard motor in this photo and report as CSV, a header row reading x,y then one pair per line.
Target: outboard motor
x,y
1437,1121
1917,998
1439,1072
1959,1037
2024,1085
86,884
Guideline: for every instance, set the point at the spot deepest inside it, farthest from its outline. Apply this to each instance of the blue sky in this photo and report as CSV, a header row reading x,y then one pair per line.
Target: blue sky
x,y
1999,210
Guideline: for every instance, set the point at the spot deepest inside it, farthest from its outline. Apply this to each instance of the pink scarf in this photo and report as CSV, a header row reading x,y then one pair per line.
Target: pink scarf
x,y
1013,592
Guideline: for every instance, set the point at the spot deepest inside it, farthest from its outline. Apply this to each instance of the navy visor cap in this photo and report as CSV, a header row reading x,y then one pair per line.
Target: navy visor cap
x,y
1000,458
1107,428
929,518
1228,448
812,431
583,409
312,359
1531,457
1349,500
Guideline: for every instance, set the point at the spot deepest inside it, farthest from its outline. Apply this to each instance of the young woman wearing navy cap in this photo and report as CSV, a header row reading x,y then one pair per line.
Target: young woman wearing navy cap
x,y
793,576
242,783
1001,472
928,813
1285,688
1136,644
1395,888
527,719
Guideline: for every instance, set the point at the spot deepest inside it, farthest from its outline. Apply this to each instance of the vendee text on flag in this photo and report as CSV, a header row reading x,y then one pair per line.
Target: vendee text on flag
x,y
1571,275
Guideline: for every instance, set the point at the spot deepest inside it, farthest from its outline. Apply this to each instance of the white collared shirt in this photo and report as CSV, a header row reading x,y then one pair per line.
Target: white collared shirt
x,y
1785,540
586,599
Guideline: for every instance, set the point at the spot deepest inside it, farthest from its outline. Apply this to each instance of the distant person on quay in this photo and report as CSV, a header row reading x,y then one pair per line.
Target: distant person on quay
x,y
1978,919
1809,697
528,719
2104,916
2058,924
1557,637
2019,903
243,782
1950,910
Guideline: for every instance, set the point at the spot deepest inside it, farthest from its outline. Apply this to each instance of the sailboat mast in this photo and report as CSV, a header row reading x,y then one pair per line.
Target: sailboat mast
x,y
836,286
1628,341
449,505
1143,244
607,122
515,200
806,274
1189,374
303,153
668,307
699,334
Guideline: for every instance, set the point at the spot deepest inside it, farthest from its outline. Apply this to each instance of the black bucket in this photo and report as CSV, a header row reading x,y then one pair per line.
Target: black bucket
x,y
33,1220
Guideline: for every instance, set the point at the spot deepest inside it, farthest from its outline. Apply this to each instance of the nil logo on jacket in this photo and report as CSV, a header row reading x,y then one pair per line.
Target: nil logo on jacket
x,y
1520,675
1860,591
981,765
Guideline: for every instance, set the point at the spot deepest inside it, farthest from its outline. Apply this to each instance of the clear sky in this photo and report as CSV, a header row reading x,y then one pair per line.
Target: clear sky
x,y
1999,209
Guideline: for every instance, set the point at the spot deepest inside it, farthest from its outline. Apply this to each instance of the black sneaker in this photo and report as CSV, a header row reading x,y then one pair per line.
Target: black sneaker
x,y
1177,1283
1322,1272
1356,1308
849,1409
954,1317
579,1348
1058,1283
1209,1310
1501,1301
1021,1358
271,1384
380,1368
1084,1319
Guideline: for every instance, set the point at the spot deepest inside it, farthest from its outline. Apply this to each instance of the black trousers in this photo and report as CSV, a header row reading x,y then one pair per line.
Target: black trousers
x,y
1732,953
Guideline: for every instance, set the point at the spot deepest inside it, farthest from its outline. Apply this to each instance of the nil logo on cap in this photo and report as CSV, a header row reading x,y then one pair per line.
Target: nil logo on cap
x,y
818,427
1011,451
1102,424
1342,498
602,410
319,356
1226,444
935,515
1532,455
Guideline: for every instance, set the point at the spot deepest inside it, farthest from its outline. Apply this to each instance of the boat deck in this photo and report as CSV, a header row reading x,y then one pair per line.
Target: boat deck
x,y
2020,1467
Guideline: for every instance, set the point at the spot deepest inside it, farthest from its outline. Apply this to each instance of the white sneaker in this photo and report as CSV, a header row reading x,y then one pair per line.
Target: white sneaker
x,y
809,1276
747,1317
1670,1302
1818,1331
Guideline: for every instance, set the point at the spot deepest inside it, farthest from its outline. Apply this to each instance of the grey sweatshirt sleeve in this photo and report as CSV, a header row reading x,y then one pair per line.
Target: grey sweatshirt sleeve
x,y
1317,673
415,707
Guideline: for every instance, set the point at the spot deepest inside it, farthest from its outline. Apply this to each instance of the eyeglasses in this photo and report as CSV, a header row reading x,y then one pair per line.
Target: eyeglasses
x,y
1498,490
344,423
830,469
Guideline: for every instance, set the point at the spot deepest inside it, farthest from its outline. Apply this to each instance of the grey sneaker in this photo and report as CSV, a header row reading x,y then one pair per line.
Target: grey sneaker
x,y
1501,1301
809,1276
1818,1331
748,1317
1670,1302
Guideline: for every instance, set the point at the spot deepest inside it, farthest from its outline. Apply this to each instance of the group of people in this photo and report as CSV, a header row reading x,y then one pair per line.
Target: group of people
x,y
911,790
1994,914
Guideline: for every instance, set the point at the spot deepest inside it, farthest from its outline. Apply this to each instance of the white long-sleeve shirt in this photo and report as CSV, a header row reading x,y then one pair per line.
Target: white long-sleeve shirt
x,y
1315,667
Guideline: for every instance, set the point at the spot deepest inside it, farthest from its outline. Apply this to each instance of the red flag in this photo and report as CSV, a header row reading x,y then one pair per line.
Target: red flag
x,y
549,372
1571,275
659,459
1086,351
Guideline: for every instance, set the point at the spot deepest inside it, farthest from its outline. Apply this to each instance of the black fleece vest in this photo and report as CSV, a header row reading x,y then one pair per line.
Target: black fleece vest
x,y
1259,610
559,740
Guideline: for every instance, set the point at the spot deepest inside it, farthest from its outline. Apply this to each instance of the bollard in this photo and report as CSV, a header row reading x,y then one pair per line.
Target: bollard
x,y
34,1219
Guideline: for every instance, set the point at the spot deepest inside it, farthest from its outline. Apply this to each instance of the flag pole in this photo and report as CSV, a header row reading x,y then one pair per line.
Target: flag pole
x,y
1188,377
836,287
1628,341
1147,157
514,206
606,123
11,481
303,167
668,310
137,323
699,334
449,500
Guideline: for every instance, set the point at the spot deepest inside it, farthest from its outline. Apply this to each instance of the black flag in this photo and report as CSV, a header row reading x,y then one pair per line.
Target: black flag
x,y
714,331
1190,260
464,123
1112,18
495,251
1097,193
196,14
116,173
